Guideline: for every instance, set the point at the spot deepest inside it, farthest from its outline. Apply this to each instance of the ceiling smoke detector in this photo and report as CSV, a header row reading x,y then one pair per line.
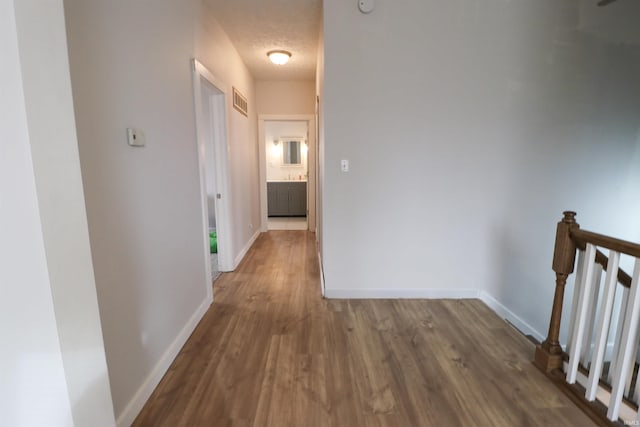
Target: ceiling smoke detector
x,y
279,57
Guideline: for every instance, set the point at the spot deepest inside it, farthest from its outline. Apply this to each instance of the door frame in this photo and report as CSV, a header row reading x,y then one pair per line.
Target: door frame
x,y
311,164
219,125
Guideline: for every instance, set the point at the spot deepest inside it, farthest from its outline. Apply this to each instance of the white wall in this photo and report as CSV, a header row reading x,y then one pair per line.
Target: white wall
x,y
275,130
131,67
320,147
30,354
52,353
285,97
289,99
215,51
467,139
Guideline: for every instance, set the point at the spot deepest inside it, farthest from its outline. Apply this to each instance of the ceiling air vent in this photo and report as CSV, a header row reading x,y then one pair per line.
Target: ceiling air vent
x,y
240,102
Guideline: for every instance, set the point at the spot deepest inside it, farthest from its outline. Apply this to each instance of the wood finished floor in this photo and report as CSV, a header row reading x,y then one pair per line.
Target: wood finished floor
x,y
271,352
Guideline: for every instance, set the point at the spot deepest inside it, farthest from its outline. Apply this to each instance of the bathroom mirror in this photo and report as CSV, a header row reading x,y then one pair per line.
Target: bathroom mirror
x,y
291,154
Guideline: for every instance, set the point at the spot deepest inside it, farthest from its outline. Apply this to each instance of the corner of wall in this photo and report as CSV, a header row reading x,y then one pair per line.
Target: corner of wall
x,y
504,312
135,405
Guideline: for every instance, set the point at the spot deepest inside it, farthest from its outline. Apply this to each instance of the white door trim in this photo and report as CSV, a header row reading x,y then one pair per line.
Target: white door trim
x,y
311,165
219,116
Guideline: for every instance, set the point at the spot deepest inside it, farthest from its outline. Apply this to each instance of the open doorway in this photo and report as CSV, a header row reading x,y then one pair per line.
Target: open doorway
x,y
287,159
287,148
211,120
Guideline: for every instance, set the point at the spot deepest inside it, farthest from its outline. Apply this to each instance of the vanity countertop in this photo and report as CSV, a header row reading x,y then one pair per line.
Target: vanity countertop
x,y
287,180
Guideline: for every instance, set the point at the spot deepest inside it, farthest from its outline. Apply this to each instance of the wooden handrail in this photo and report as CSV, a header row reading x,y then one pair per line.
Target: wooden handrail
x,y
582,237
570,238
623,277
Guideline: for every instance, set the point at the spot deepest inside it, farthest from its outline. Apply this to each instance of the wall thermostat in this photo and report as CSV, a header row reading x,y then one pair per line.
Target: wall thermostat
x,y
366,6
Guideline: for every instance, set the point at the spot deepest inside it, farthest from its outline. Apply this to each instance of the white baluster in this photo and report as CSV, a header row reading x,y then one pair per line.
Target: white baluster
x,y
581,318
627,385
604,320
628,346
574,301
636,392
592,304
615,354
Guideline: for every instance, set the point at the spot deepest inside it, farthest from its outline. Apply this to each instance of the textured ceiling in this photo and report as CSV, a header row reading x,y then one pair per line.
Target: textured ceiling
x,y
258,26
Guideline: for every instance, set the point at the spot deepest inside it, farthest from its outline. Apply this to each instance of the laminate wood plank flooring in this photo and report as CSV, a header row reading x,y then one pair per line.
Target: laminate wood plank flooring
x,y
271,352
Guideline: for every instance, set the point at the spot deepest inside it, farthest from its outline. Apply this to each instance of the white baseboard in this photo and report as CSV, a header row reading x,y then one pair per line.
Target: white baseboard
x,y
246,248
509,315
400,293
131,411
322,287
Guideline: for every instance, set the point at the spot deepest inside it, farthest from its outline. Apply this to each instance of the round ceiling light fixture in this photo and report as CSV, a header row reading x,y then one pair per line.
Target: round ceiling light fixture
x,y
279,57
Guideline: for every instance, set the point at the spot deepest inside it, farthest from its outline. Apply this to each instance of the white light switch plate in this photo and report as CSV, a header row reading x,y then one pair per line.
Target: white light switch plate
x,y
135,137
344,165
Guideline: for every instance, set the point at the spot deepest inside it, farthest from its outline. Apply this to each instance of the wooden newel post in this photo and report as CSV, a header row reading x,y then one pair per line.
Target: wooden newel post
x,y
549,354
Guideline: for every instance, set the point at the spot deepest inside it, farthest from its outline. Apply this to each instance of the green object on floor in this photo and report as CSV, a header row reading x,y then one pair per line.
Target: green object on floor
x,y
213,242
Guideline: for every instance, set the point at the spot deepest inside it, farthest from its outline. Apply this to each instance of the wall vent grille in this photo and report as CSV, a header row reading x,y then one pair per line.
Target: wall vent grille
x,y
240,102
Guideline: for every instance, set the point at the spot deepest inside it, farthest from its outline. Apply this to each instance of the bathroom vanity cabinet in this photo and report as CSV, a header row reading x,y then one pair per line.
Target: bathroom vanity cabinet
x,y
287,198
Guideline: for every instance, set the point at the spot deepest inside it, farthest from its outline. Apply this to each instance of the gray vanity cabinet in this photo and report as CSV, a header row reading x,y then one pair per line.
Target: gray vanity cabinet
x,y
298,199
278,198
287,198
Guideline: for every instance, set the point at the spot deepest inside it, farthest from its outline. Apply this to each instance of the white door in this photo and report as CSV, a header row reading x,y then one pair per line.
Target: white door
x,y
211,123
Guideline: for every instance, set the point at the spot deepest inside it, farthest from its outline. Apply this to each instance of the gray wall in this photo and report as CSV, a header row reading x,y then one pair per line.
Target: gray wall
x,y
470,127
131,67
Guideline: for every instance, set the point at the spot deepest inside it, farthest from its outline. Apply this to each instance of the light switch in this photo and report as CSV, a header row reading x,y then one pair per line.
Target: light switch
x,y
135,137
344,165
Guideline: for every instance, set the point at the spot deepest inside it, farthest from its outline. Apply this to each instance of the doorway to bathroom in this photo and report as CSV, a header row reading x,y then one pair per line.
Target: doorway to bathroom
x,y
287,172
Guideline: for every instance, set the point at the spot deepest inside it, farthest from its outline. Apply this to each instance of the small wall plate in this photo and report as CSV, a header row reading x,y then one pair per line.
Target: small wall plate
x,y
366,6
135,137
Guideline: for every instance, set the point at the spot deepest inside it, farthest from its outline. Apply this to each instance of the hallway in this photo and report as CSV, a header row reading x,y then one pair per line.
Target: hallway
x,y
271,352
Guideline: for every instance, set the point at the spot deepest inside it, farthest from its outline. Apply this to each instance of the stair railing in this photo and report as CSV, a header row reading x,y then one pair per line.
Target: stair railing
x,y
594,325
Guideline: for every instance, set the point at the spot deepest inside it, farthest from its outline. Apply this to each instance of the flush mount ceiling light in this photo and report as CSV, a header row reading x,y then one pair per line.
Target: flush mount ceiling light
x,y
279,57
